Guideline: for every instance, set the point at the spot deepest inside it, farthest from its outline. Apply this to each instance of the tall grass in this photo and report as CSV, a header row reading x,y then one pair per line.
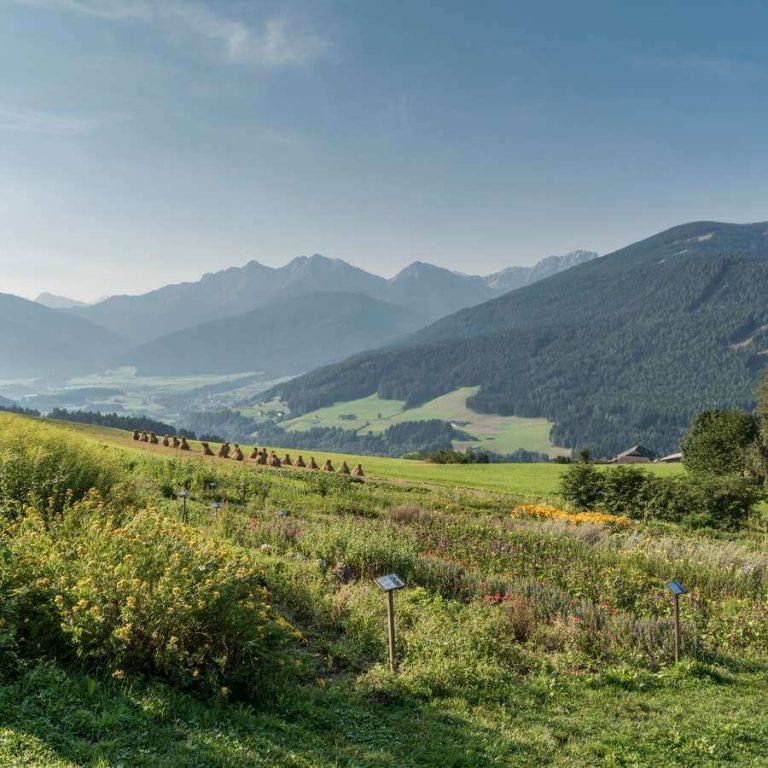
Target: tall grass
x,y
48,467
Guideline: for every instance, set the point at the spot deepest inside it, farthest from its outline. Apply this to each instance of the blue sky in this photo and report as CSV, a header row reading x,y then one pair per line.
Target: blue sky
x,y
149,141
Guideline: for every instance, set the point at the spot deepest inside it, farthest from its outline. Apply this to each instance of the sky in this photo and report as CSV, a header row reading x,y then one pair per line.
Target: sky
x,y
144,142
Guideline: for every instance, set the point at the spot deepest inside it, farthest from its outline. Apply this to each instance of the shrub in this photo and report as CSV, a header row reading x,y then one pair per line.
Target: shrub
x,y
700,501
149,595
582,485
622,492
695,500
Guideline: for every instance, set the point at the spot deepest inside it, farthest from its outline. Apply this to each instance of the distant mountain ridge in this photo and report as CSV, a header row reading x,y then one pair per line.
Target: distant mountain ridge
x,y
512,278
295,335
38,341
618,350
53,301
433,291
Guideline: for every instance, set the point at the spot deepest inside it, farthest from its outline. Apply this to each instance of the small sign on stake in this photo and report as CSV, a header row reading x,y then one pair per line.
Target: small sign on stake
x,y
390,584
677,589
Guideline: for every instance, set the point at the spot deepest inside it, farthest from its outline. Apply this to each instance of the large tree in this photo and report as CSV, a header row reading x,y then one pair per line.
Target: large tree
x,y
721,442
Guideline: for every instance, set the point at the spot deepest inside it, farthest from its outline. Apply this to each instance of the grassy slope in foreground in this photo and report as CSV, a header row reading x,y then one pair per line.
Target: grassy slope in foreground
x,y
442,713
534,480
501,434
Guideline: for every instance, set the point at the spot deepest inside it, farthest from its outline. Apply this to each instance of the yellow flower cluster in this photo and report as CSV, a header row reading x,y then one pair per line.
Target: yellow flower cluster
x,y
146,597
543,511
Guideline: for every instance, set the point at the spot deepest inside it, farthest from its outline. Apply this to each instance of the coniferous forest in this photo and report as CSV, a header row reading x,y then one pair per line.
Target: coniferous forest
x,y
621,350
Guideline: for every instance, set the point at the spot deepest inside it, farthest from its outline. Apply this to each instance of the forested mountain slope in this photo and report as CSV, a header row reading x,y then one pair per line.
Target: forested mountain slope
x,y
284,338
38,341
619,350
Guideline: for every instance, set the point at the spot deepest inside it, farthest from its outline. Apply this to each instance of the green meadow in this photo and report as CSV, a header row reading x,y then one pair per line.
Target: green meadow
x,y
501,434
252,634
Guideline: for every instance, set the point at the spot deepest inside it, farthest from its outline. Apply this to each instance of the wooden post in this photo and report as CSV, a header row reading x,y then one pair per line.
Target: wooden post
x,y
391,620
184,516
676,603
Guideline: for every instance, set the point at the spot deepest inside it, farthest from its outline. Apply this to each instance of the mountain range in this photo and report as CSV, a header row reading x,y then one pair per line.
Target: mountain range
x,y
239,319
622,349
431,291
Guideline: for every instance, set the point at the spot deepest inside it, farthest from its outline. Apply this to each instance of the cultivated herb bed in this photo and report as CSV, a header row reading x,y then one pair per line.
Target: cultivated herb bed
x,y
253,635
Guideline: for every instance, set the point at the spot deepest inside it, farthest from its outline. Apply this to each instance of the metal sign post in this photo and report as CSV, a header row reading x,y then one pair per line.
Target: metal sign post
x,y
677,589
390,584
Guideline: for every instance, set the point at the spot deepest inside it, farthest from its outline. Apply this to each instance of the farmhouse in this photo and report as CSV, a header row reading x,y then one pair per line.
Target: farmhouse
x,y
638,454
673,458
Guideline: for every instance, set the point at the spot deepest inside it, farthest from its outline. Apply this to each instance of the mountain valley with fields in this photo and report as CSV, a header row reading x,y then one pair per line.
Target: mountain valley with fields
x,y
383,385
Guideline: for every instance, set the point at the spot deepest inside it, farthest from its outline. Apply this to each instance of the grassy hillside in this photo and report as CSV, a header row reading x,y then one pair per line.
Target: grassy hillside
x,y
501,434
623,349
534,481
521,641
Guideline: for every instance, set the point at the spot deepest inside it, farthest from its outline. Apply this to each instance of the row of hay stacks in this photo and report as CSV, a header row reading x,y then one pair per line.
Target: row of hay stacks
x,y
169,441
259,455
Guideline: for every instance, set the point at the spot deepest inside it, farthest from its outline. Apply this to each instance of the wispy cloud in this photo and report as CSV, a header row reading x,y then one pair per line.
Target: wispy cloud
x,y
271,43
46,123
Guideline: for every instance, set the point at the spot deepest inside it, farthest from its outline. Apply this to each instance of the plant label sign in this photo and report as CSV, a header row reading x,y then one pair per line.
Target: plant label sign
x,y
390,582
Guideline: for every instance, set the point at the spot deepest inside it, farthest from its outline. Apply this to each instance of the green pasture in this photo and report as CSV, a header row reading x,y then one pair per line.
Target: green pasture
x,y
501,434
536,480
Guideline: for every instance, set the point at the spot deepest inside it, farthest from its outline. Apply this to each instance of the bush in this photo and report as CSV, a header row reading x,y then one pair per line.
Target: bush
x,y
152,596
582,485
694,500
622,492
723,503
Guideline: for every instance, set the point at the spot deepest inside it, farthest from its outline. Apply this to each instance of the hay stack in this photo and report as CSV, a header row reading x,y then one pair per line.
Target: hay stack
x,y
223,452
136,434
206,449
327,467
343,469
175,442
261,458
312,464
153,438
273,461
254,454
166,441
287,460
299,462
237,454
358,471
184,445
144,437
